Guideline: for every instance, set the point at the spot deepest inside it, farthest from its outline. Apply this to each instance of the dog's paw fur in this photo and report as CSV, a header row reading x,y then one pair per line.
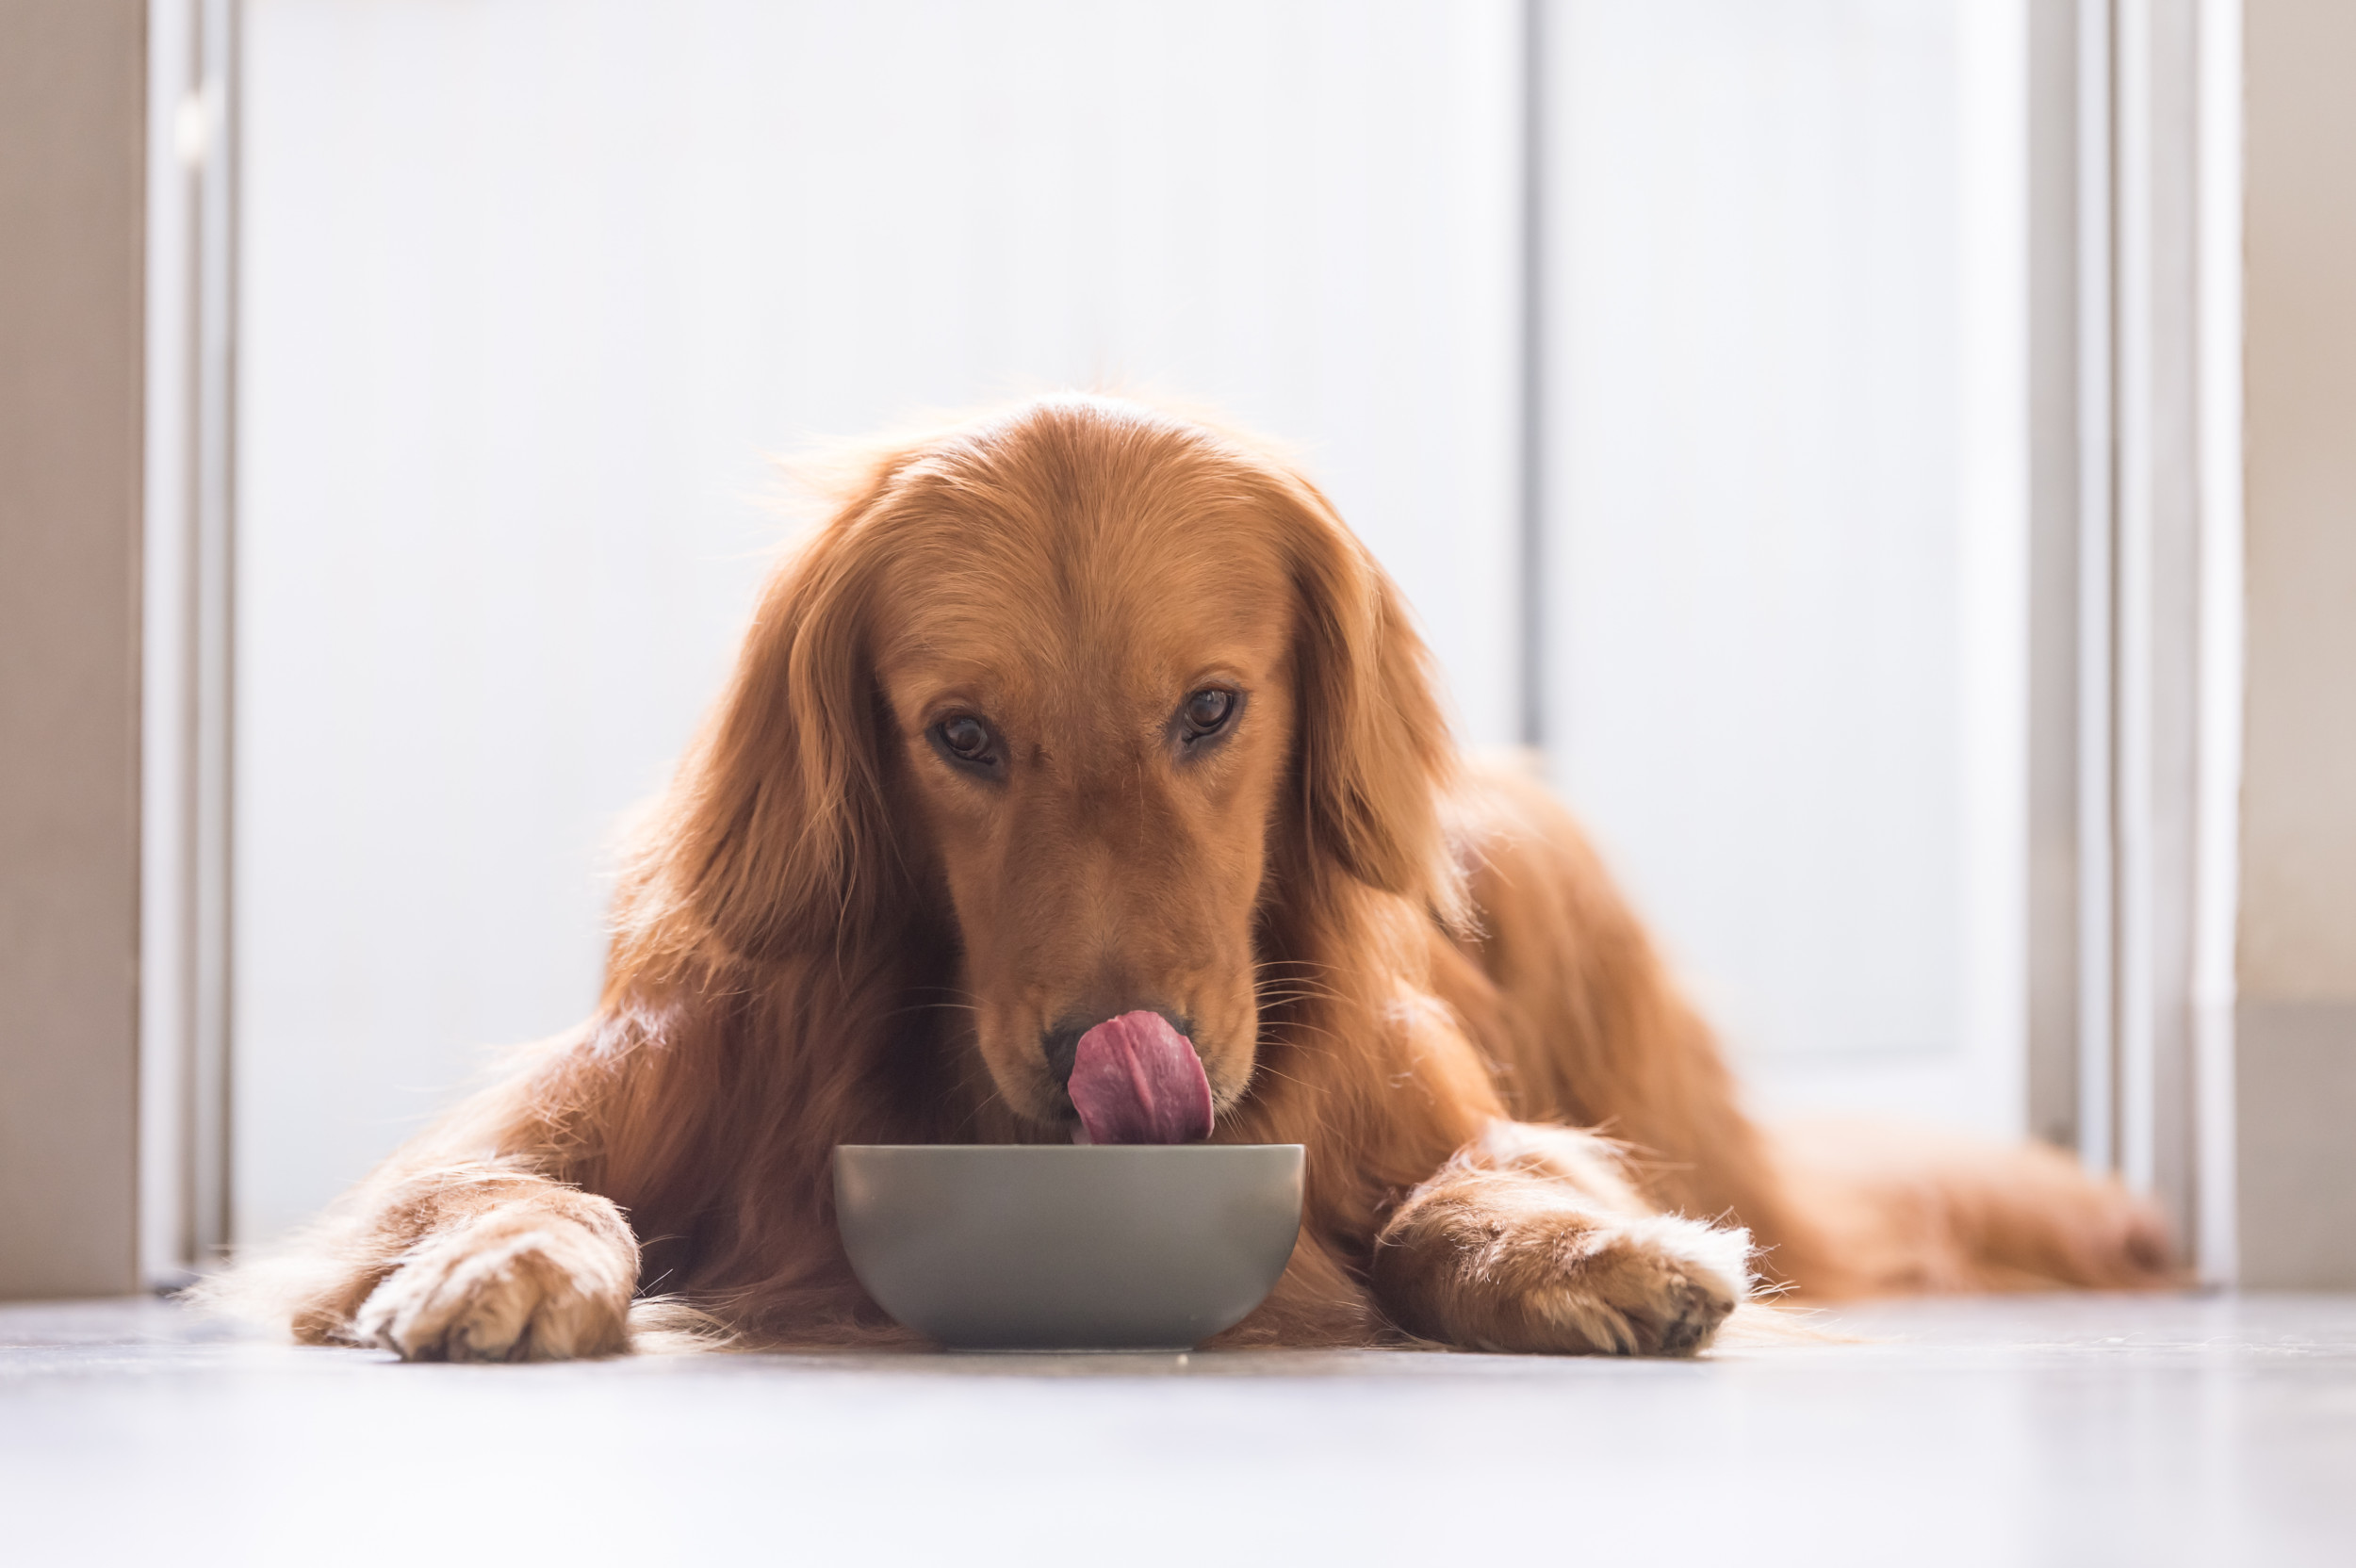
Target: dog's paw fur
x,y
1538,1244
511,1284
1653,1286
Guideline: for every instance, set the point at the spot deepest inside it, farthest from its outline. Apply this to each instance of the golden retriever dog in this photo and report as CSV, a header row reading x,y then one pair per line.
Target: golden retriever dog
x,y
1083,779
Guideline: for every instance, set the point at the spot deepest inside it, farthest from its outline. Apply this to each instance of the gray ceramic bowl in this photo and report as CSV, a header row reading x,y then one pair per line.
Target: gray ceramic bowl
x,y
1135,1246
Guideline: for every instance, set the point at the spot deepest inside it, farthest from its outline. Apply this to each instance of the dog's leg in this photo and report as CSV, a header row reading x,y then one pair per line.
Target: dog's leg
x,y
478,1264
1565,988
1533,1239
1922,1209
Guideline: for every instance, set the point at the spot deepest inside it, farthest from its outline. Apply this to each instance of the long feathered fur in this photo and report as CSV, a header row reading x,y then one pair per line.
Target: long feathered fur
x,y
1439,961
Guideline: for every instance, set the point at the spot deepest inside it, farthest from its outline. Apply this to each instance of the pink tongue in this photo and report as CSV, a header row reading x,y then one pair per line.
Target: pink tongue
x,y
1137,1079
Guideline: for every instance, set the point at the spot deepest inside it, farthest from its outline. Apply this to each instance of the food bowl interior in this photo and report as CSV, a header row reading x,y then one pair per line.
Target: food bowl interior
x,y
1054,1246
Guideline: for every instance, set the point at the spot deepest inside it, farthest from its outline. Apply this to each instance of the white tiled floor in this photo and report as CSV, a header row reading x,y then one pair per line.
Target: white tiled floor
x,y
2060,1430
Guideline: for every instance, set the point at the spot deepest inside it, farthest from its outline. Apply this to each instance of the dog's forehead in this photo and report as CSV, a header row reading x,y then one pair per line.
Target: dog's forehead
x,y
1101,605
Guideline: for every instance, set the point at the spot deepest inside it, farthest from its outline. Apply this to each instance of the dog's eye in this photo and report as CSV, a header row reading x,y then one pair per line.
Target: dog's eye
x,y
965,738
1207,711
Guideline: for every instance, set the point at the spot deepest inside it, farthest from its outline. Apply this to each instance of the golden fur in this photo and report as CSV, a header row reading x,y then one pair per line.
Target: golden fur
x,y
829,932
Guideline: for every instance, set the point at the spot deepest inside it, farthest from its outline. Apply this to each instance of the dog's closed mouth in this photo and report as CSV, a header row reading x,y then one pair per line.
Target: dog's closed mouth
x,y
1135,1079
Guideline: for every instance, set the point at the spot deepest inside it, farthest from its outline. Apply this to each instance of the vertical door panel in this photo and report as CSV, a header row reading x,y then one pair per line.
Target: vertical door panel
x,y
1786,535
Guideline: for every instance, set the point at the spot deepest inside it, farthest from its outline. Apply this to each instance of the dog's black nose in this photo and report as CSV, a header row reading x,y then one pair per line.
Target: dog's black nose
x,y
1062,1047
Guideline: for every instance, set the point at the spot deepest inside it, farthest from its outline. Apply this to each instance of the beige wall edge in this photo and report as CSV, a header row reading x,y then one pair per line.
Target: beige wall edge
x,y
2295,1073
72,110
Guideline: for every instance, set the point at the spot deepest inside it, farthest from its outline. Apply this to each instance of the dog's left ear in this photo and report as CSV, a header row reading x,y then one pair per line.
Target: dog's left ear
x,y
1375,762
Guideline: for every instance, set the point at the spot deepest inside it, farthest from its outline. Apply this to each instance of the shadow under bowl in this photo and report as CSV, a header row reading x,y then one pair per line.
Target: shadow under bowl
x,y
1037,1247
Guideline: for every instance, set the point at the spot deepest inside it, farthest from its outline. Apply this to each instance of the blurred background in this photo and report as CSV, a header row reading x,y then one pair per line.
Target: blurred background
x,y
1889,460
531,291
1821,430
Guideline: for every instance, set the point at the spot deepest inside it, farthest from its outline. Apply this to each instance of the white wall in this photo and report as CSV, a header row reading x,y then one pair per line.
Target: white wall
x,y
1786,667
532,286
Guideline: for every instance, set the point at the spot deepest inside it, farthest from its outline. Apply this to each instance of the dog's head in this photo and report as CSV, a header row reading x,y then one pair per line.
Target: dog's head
x,y
1096,689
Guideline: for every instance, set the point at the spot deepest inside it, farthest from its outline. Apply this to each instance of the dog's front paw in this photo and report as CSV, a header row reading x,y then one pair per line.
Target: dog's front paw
x,y
514,1283
1654,1286
1518,1261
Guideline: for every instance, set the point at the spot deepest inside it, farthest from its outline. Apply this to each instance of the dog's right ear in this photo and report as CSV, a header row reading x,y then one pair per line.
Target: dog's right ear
x,y
1375,759
773,837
